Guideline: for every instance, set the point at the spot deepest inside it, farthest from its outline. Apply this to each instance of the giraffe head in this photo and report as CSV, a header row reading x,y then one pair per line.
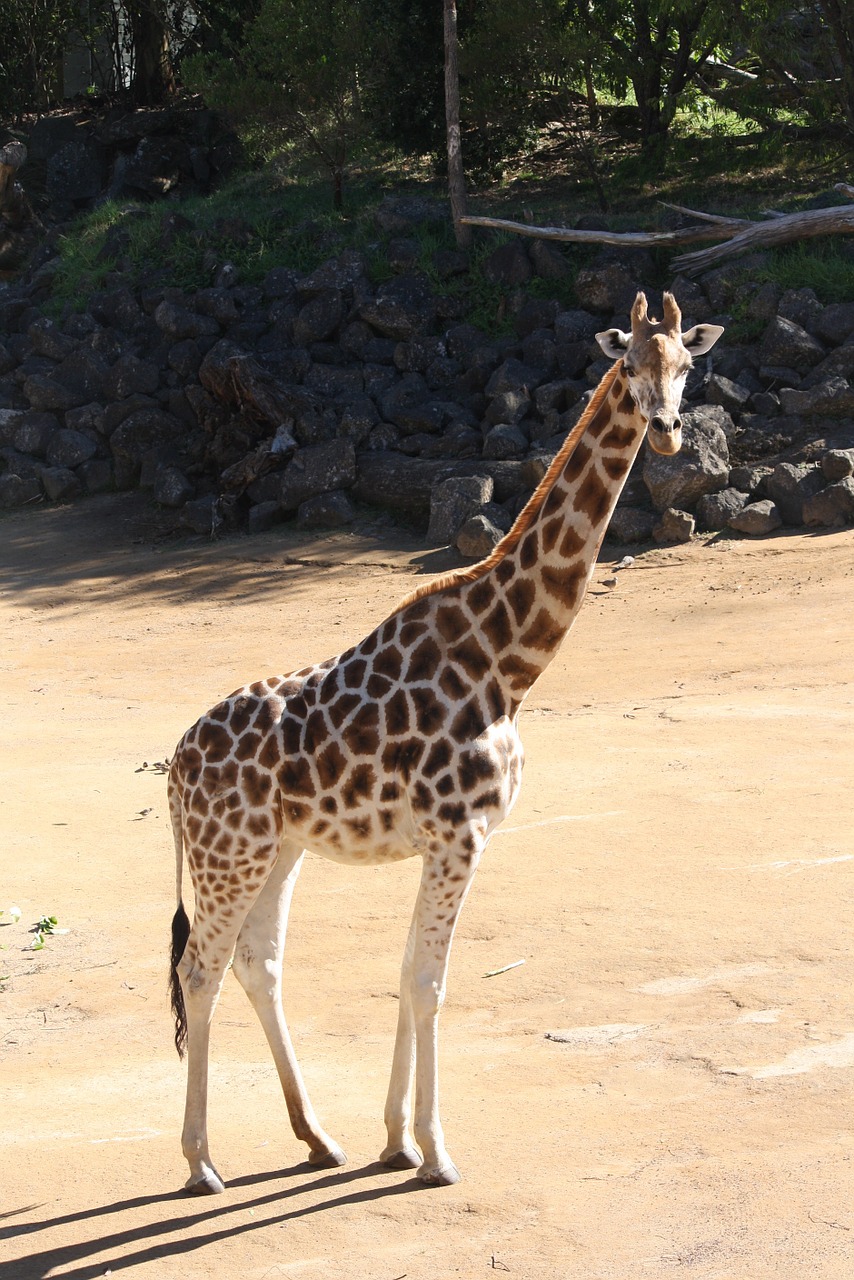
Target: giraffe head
x,y
656,358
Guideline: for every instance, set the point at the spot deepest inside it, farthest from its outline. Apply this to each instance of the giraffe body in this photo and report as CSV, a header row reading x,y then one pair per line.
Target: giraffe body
x,y
405,745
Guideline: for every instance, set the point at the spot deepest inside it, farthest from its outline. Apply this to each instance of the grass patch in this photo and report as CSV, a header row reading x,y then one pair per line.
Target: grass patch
x,y
825,265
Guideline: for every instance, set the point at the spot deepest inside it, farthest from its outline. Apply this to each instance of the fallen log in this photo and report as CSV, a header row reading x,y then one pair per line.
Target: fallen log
x,y
739,235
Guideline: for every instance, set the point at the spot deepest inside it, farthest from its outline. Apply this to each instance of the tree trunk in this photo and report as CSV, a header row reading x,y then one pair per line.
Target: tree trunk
x,y
456,175
153,76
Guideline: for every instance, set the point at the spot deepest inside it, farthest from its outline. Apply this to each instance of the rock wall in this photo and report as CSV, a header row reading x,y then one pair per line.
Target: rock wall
x,y
307,395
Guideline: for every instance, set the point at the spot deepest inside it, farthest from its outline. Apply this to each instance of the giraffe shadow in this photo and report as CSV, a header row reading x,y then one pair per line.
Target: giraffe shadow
x,y
116,1251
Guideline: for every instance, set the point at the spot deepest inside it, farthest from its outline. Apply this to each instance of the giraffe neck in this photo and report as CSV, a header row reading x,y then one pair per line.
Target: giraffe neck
x,y
527,599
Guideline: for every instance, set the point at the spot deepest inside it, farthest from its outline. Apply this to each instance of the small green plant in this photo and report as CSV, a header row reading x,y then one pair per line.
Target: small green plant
x,y
44,927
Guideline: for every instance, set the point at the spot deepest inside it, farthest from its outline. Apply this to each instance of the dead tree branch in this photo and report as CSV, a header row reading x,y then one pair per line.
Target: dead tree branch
x,y
738,234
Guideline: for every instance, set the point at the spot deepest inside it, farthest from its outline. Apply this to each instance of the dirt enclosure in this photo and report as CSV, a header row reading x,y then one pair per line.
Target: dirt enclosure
x,y
665,1087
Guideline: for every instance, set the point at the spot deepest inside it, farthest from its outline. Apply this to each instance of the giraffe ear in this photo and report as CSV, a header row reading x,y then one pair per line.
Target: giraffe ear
x,y
614,342
701,338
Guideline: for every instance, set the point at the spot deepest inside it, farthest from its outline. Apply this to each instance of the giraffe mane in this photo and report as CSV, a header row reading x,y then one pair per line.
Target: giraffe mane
x,y
529,512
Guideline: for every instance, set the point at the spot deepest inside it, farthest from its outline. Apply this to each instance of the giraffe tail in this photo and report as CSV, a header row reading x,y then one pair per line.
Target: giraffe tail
x,y
180,926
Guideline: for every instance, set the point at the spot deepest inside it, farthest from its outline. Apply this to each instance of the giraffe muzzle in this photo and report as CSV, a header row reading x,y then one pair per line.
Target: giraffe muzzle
x,y
665,437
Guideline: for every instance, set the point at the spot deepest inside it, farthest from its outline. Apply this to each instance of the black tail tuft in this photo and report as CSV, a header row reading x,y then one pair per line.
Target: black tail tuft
x,y
180,934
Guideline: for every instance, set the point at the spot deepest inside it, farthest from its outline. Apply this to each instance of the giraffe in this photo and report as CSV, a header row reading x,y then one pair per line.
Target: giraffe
x,y
405,745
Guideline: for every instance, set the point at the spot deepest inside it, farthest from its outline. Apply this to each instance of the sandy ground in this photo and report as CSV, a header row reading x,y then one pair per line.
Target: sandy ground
x,y
663,1088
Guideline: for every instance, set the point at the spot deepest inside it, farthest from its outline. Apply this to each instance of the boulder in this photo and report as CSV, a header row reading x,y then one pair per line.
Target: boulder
x,y
632,524
452,501
402,308
505,441
789,486
786,344
714,510
17,491
757,519
478,537
836,464
608,288
833,398
330,510
171,487
831,506
61,484
317,469
69,448
674,526
508,265
319,318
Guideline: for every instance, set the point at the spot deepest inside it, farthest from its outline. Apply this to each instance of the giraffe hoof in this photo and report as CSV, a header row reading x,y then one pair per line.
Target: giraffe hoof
x,y
444,1176
208,1183
405,1158
327,1158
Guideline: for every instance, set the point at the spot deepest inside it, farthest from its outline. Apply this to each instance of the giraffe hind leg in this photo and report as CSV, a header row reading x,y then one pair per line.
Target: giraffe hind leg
x,y
258,960
223,901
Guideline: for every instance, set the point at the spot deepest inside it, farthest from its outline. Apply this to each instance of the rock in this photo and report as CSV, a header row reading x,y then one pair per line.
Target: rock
x,y
835,323
402,308
730,395
171,487
838,364
674,526
50,341
60,484
757,519
156,167
34,433
75,173
17,491
330,510
549,261
831,506
478,537
836,464
701,466
131,376
786,344
611,288
834,399
751,480
177,322
317,469
452,502
631,524
714,510
96,475
513,376
46,394
358,418
765,403
789,486
10,421
140,431
263,516
505,441
200,515
508,407
508,265
319,318
802,306
69,448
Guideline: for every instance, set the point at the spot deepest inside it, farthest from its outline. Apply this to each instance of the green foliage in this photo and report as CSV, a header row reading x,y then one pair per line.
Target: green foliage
x,y
33,34
824,265
299,66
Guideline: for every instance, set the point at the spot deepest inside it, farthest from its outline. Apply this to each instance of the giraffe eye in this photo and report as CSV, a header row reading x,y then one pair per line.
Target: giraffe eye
x,y
630,370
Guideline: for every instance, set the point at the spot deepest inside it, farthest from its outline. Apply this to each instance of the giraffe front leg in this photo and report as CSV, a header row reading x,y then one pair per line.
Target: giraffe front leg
x,y
399,1152
445,881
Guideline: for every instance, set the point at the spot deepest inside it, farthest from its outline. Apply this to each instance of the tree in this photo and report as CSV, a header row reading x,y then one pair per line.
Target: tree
x,y
456,176
301,65
659,47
